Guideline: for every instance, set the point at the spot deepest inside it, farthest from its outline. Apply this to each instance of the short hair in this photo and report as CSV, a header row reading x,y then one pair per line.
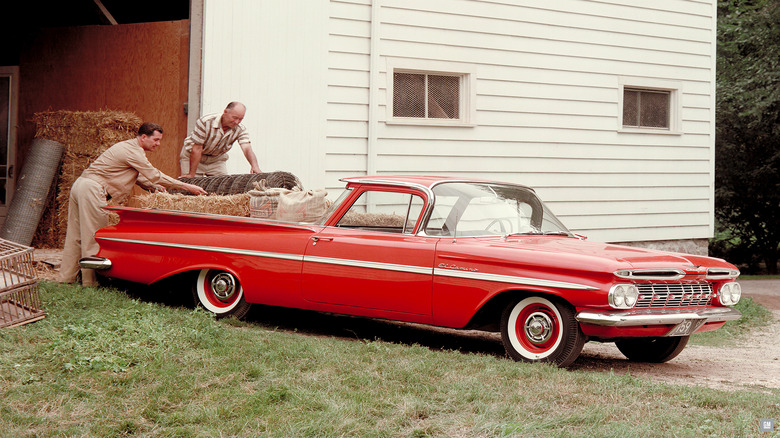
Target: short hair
x,y
148,128
233,104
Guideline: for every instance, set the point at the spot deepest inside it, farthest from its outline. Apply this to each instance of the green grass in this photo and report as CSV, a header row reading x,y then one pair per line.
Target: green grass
x,y
106,364
759,277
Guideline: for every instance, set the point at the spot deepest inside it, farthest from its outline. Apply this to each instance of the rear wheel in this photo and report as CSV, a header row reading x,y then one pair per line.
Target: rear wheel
x,y
656,350
220,292
537,329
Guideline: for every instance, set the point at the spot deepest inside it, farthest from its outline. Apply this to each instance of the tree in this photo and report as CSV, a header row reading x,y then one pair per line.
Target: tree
x,y
747,166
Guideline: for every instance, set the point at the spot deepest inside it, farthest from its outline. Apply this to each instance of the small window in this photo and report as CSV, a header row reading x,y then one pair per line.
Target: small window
x,y
646,108
429,96
432,93
390,212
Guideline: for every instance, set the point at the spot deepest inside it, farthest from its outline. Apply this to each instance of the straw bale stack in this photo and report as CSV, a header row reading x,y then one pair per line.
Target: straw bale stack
x,y
372,220
229,205
85,136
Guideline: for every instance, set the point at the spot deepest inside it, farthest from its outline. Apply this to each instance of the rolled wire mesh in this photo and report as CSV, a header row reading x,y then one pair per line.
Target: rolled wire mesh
x,y
32,191
242,183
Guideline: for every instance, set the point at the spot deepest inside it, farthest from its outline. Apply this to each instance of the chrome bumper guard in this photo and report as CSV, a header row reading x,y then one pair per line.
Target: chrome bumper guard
x,y
633,318
99,263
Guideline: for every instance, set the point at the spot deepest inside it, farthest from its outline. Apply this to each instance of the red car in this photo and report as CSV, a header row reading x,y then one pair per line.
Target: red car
x,y
448,252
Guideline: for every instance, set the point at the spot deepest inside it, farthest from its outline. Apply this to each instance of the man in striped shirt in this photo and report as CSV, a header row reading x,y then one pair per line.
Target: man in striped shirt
x,y
205,150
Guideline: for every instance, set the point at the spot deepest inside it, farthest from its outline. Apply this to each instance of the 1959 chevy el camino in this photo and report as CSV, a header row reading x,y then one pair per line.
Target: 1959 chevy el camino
x,y
442,251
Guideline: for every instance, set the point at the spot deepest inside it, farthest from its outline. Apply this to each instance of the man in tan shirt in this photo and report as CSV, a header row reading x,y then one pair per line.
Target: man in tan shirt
x,y
205,150
111,176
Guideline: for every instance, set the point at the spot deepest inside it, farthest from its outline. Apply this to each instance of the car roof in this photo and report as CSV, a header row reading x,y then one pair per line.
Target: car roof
x,y
416,180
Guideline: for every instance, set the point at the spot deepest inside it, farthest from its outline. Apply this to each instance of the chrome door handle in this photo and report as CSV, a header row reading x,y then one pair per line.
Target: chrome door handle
x,y
324,239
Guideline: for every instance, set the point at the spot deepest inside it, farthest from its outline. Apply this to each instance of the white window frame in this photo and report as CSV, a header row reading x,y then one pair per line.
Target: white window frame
x,y
467,75
674,88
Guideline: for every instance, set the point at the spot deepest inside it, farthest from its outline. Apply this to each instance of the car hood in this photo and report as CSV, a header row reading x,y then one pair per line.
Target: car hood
x,y
586,255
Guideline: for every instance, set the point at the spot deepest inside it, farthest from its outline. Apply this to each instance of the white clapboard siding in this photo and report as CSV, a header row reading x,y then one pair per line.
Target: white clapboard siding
x,y
546,98
272,56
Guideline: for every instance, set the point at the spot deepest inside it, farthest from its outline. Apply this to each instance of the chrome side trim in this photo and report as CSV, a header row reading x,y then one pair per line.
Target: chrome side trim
x,y
656,317
92,262
511,279
423,270
371,265
272,255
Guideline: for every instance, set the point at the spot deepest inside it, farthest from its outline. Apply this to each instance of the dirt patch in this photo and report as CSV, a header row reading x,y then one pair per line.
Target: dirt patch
x,y
47,263
752,364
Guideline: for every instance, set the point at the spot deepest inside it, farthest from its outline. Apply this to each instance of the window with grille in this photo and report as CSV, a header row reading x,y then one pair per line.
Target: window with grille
x,y
428,96
646,108
426,92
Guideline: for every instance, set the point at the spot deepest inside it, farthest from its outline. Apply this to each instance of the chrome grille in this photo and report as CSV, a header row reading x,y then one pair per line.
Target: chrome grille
x,y
655,295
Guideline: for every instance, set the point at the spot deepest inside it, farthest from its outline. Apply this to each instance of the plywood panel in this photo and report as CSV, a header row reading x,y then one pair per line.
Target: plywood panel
x,y
140,68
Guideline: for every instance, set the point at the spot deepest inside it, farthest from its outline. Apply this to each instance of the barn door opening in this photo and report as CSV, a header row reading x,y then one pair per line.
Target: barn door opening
x,y
9,80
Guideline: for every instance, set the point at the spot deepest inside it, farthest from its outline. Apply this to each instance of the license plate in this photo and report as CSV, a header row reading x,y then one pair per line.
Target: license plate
x,y
686,328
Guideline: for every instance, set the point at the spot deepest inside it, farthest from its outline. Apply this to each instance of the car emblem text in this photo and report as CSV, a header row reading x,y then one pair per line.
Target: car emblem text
x,y
460,268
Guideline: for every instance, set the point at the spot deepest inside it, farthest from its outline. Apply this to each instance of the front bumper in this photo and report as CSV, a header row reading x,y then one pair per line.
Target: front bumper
x,y
98,263
650,317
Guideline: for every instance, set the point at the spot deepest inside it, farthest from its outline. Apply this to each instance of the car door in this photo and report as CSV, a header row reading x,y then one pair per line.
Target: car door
x,y
371,259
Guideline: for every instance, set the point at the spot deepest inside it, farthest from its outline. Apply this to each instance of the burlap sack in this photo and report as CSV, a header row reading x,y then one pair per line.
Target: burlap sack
x,y
288,205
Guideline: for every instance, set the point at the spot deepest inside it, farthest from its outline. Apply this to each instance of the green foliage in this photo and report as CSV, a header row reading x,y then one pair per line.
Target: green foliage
x,y
747,171
103,364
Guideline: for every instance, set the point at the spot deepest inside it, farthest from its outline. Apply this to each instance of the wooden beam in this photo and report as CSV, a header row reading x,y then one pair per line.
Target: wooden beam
x,y
105,12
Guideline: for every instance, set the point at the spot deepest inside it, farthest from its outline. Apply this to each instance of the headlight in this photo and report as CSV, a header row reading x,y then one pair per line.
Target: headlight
x,y
623,296
730,293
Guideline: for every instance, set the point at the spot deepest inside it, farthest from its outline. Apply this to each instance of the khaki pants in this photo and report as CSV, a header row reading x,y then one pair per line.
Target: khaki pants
x,y
84,218
209,165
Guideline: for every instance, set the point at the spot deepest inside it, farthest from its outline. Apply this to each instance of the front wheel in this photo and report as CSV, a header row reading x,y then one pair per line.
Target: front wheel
x,y
655,350
537,329
220,292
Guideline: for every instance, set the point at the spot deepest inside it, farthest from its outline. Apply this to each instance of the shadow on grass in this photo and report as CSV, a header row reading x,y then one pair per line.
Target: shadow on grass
x,y
175,292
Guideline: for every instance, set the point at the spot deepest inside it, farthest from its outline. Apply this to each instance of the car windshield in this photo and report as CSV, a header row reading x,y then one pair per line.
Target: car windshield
x,y
480,209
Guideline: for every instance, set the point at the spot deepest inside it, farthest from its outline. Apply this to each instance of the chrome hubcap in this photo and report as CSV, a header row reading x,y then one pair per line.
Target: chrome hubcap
x,y
223,285
538,328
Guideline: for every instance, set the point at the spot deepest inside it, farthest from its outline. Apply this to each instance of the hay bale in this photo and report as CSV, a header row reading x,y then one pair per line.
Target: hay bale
x,y
354,219
86,132
229,205
85,136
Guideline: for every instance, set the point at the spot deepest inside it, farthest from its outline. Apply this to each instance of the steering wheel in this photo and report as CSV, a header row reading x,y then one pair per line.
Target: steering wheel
x,y
501,226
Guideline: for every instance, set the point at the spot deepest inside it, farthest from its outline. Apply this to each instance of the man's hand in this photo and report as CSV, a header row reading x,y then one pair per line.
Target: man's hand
x,y
195,190
255,169
189,175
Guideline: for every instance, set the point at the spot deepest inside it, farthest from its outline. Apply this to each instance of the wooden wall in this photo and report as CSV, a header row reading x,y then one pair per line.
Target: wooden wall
x,y
140,68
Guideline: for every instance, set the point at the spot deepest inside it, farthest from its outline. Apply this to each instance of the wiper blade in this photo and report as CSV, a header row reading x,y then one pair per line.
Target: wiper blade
x,y
539,233
557,233
525,233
